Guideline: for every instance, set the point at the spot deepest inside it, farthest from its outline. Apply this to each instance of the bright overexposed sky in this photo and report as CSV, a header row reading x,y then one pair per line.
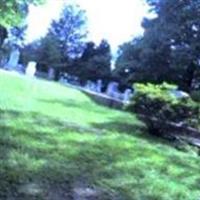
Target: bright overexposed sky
x,y
115,20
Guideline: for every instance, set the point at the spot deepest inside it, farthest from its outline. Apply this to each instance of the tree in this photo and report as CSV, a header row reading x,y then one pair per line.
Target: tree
x,y
3,34
170,48
12,12
62,43
17,35
45,52
95,62
101,62
48,52
69,31
30,52
128,62
181,22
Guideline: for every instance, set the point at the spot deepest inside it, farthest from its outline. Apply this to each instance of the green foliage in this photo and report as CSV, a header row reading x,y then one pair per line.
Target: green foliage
x,y
54,138
162,92
12,12
30,52
69,31
49,53
161,102
95,62
168,50
17,35
63,42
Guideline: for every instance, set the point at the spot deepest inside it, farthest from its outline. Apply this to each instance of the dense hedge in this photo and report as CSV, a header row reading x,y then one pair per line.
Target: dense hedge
x,y
165,104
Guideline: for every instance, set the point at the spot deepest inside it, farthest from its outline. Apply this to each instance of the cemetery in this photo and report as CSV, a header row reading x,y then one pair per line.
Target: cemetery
x,y
90,113
112,96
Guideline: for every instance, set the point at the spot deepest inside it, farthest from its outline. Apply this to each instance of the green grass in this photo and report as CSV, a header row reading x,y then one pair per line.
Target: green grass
x,y
53,138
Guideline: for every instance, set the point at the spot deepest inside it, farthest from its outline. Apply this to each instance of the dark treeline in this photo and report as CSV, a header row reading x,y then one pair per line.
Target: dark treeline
x,y
169,50
65,49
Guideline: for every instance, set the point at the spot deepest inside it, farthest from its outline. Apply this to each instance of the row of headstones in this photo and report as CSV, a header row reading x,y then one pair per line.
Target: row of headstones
x,y
69,79
111,91
97,87
13,64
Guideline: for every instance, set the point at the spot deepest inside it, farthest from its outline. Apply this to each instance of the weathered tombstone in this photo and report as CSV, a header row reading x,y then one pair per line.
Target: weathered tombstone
x,y
117,95
93,86
127,95
31,69
112,89
88,85
51,73
61,79
13,59
99,86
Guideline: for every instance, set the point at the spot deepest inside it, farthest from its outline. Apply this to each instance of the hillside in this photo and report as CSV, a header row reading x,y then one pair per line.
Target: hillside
x,y
56,144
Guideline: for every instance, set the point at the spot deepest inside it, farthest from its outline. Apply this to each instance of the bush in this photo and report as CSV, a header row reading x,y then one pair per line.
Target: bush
x,y
161,102
195,95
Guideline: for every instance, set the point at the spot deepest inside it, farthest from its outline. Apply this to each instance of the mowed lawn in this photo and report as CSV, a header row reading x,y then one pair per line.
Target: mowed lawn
x,y
54,140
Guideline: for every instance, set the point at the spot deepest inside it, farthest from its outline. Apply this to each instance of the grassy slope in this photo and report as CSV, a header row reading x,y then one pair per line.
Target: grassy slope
x,y
52,137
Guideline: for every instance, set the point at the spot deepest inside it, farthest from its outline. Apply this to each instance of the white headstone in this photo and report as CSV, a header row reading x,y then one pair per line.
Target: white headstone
x,y
31,69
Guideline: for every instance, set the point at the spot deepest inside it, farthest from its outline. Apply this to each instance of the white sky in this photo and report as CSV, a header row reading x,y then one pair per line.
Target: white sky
x,y
115,20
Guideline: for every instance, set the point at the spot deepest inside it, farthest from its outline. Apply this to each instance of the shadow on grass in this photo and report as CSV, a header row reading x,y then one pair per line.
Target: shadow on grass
x,y
41,165
65,161
30,127
67,102
21,150
135,128
103,100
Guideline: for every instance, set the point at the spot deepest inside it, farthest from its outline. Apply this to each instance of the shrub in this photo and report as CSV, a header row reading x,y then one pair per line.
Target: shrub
x,y
195,95
161,102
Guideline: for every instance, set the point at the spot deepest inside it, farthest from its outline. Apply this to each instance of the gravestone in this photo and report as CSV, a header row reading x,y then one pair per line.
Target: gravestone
x,y
31,69
99,86
88,85
112,89
127,95
91,86
51,73
13,59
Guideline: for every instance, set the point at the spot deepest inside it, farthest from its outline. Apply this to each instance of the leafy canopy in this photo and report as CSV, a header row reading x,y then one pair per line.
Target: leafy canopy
x,y
169,49
13,11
